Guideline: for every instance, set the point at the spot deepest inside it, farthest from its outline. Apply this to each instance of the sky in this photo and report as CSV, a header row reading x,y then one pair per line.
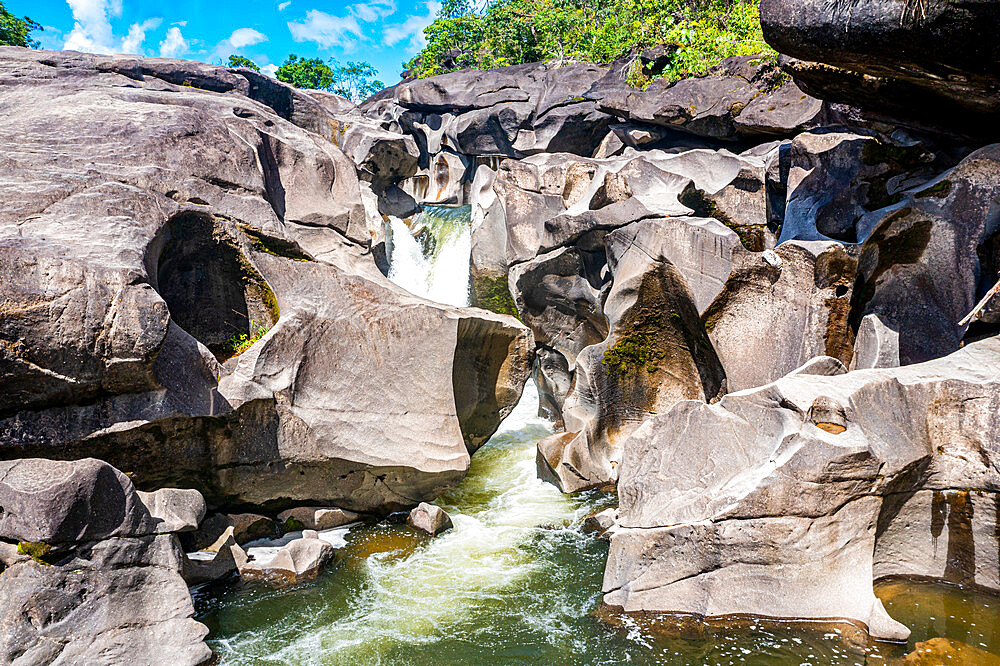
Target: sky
x,y
385,33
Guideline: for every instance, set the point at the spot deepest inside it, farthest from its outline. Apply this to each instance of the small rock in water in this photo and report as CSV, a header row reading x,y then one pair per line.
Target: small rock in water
x,y
300,560
314,518
429,518
601,522
947,651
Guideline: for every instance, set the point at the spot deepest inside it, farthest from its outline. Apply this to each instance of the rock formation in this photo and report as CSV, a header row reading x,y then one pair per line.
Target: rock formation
x,y
220,207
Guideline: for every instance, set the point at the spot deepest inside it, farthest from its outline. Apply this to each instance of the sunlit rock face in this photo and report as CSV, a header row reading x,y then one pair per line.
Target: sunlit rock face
x,y
789,499
188,293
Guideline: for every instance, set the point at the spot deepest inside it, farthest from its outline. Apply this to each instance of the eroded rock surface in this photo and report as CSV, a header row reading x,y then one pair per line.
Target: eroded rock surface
x,y
789,499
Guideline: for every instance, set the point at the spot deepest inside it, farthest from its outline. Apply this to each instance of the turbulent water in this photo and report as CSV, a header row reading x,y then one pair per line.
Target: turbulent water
x,y
430,257
517,582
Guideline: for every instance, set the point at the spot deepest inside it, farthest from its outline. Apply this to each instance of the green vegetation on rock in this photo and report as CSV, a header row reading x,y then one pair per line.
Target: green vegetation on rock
x,y
697,34
493,294
16,31
36,550
240,343
637,346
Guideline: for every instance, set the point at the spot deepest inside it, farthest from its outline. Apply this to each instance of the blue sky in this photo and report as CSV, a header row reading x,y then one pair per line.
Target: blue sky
x,y
383,32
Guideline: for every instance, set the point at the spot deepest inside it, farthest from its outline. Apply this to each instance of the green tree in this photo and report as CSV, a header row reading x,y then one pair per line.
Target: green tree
x,y
240,61
302,73
355,80
16,31
698,33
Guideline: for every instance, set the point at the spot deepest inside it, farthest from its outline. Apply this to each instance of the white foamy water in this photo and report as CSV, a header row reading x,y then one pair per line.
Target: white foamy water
x,y
442,273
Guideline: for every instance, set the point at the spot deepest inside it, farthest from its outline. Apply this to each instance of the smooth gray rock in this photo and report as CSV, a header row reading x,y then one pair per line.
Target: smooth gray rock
x,y
789,499
429,518
315,518
876,345
174,509
209,565
937,229
301,559
57,502
124,280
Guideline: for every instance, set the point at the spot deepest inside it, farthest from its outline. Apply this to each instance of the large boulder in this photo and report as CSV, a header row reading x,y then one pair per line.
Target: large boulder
x,y
90,574
932,60
790,499
220,219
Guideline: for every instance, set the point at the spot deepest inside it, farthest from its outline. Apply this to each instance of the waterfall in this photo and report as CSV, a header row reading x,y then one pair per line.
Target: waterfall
x,y
430,256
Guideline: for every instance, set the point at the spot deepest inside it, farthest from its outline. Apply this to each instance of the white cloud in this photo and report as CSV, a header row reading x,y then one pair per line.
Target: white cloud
x,y
246,37
241,37
174,45
180,23
270,70
372,11
284,5
411,30
91,28
327,31
132,43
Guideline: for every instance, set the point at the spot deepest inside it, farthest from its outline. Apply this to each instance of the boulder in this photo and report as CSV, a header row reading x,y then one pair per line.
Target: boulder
x,y
945,227
314,518
789,500
213,563
299,560
59,502
200,306
932,60
88,575
429,518
778,309
601,523
174,509
740,97
246,527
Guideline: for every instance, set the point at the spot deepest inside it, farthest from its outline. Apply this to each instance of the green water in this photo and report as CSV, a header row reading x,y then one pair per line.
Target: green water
x,y
517,582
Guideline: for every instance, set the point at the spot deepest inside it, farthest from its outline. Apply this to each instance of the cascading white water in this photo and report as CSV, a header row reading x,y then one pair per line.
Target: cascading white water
x,y
438,269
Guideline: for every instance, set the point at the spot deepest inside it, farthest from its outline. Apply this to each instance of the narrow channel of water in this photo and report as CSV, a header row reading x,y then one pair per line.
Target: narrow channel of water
x,y
516,582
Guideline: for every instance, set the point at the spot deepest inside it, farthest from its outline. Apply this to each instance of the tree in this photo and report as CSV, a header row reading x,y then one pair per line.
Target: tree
x,y
240,61
355,80
303,73
16,31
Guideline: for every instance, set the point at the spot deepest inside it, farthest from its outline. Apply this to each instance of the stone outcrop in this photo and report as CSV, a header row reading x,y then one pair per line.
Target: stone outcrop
x,y
220,207
788,500
932,61
91,574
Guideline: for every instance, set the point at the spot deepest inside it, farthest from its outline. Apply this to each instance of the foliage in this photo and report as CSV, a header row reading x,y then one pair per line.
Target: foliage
x,y
16,31
698,33
355,80
240,61
635,349
492,293
36,550
240,343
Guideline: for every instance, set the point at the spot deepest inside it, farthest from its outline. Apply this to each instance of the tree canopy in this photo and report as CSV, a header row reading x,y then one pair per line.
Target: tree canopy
x,y
240,61
355,80
16,31
698,33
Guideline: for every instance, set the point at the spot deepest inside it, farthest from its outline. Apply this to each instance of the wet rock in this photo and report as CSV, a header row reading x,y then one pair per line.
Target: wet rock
x,y
430,519
601,523
314,518
127,288
246,527
299,560
931,61
941,650
213,563
805,477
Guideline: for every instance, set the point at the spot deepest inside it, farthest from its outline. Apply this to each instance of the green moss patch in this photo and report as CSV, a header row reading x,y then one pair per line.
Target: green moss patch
x,y
936,191
36,550
751,235
274,246
492,293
